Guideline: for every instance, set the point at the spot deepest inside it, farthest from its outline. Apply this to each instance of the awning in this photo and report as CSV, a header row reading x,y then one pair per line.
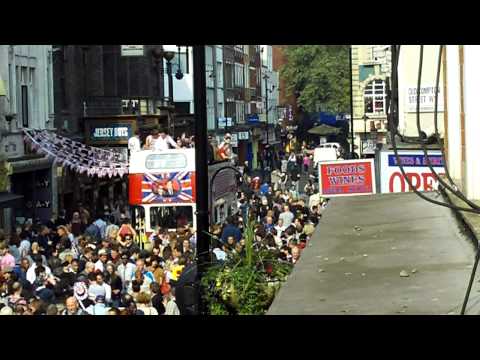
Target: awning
x,y
9,200
23,166
324,130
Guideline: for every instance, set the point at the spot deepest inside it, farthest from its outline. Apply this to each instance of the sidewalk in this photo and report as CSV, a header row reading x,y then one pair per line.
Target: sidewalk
x,y
353,263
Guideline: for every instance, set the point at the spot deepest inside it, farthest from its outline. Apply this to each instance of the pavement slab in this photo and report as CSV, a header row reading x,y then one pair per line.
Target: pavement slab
x,y
382,254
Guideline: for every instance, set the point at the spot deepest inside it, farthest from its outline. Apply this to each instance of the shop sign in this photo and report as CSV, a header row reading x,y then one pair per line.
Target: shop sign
x,y
253,118
416,169
225,122
427,98
347,178
106,132
39,204
369,146
12,146
132,50
243,135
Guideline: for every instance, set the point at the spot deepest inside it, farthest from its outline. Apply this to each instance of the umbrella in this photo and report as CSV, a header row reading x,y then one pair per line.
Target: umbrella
x,y
324,130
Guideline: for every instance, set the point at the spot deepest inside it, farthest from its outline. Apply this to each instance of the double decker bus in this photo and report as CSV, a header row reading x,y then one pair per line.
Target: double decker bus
x,y
162,190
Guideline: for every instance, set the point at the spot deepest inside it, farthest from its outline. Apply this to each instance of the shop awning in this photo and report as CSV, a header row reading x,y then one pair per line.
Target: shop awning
x,y
9,200
324,130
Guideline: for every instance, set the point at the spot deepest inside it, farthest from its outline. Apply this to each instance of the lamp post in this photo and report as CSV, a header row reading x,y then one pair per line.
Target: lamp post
x,y
159,53
266,103
365,118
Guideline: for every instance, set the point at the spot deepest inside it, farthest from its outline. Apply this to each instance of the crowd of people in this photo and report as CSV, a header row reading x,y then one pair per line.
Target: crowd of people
x,y
91,263
284,218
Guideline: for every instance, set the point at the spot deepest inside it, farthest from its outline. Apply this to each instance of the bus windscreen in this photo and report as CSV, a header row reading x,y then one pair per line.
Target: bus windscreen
x,y
171,217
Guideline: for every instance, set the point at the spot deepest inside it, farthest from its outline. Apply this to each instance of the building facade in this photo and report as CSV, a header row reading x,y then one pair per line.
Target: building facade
x,y
461,113
407,90
107,86
26,73
371,66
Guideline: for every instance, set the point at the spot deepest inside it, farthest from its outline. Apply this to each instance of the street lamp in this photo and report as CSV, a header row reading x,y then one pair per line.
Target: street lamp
x,y
166,52
365,118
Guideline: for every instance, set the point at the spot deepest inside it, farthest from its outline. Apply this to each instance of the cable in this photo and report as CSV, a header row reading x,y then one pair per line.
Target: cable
x,y
455,190
394,131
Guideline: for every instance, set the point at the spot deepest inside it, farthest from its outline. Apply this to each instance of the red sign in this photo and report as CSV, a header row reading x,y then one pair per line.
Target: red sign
x,y
424,181
347,178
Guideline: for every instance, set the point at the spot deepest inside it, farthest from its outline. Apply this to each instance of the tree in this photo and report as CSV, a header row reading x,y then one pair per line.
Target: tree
x,y
320,74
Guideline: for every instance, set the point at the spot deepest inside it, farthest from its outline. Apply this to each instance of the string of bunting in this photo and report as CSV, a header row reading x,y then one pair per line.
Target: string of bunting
x,y
76,156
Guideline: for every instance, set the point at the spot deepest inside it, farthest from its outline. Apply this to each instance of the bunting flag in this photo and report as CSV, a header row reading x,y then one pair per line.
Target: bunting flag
x,y
76,156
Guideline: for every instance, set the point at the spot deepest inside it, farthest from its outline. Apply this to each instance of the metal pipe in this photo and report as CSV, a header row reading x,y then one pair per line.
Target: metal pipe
x,y
201,161
351,103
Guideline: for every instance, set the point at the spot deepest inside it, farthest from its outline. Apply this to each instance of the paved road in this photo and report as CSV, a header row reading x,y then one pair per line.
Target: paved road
x,y
357,271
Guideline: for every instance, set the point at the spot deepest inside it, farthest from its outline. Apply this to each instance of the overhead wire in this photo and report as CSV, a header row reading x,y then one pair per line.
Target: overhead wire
x,y
393,128
392,110
454,190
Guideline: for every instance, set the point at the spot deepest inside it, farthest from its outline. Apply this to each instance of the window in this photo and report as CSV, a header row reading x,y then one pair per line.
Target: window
x,y
238,75
166,161
240,112
170,217
229,75
24,96
374,96
219,74
130,106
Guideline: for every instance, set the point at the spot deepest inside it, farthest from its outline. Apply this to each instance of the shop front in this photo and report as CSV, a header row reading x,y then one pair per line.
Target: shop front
x,y
109,133
36,182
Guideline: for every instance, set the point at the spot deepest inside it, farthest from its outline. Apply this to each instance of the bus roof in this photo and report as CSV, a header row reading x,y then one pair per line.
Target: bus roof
x,y
162,161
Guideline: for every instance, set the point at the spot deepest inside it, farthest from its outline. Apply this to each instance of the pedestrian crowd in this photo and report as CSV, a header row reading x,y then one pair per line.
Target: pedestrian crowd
x,y
91,265
283,215
87,263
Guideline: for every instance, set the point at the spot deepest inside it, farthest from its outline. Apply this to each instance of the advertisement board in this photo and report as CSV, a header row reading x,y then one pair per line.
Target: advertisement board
x,y
427,98
415,165
347,177
109,132
132,50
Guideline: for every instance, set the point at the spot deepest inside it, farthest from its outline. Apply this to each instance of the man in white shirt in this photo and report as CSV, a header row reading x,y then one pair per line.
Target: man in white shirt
x,y
160,141
100,288
37,261
126,271
286,216
102,261
280,228
314,200
134,144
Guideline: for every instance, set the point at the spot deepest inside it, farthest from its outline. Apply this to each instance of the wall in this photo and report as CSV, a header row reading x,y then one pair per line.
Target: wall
x,y
35,71
407,82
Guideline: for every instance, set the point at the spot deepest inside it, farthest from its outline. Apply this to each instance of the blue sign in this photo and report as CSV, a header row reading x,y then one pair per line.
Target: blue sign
x,y
416,160
253,118
110,132
224,122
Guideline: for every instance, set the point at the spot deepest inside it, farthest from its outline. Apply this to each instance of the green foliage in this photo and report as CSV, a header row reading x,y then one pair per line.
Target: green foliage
x,y
244,285
321,73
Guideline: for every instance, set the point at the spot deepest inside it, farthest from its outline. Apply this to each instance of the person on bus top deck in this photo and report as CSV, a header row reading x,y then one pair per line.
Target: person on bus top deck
x,y
224,149
160,141
134,144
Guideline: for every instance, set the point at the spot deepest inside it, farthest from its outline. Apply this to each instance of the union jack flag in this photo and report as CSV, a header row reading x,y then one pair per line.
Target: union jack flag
x,y
167,188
